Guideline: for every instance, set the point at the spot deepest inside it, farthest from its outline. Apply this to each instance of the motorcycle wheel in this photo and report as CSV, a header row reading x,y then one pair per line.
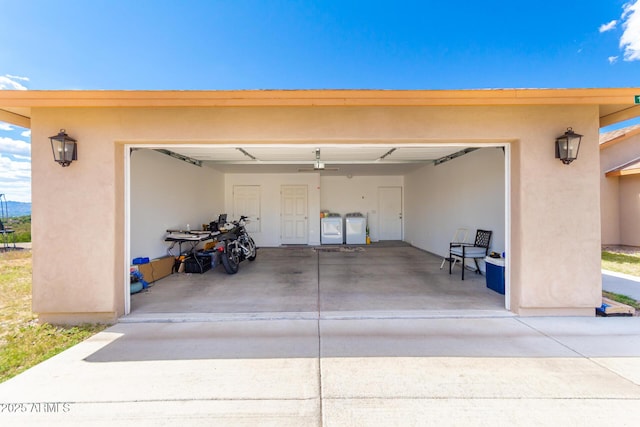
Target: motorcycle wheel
x,y
254,251
231,258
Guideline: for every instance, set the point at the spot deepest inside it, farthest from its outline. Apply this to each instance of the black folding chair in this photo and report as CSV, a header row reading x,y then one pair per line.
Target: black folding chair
x,y
478,249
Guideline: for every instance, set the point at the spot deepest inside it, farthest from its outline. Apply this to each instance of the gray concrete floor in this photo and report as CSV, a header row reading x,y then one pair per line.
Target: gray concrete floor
x,y
369,372
393,280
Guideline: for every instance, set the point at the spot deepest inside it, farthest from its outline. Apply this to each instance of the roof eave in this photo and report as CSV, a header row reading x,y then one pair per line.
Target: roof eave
x,y
299,98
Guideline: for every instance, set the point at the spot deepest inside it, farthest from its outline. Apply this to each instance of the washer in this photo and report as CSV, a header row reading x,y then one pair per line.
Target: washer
x,y
331,229
355,228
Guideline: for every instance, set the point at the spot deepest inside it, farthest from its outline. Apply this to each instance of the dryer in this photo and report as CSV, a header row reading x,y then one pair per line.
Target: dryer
x,y
331,229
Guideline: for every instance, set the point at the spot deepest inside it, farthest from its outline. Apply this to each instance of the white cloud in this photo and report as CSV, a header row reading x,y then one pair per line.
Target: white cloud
x,y
14,146
608,26
612,59
630,40
24,79
8,82
15,179
12,170
15,155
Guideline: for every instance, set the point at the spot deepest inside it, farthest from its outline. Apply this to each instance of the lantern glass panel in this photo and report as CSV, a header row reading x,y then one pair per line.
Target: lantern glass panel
x,y
563,147
58,149
572,151
69,151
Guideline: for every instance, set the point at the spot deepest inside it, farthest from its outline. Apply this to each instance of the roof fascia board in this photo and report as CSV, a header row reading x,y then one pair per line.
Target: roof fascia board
x,y
622,172
322,98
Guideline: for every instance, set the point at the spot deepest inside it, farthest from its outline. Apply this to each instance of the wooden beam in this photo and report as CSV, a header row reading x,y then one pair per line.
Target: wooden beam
x,y
15,119
630,113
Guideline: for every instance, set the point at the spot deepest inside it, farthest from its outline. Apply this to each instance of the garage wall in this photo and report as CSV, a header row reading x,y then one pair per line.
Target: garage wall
x,y
356,194
467,192
270,184
90,193
167,193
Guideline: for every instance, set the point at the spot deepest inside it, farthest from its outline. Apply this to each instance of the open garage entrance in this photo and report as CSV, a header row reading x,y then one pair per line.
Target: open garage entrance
x,y
414,197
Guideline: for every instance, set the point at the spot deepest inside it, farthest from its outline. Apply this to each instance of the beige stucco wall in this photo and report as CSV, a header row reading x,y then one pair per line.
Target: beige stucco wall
x,y
78,212
630,210
610,209
619,195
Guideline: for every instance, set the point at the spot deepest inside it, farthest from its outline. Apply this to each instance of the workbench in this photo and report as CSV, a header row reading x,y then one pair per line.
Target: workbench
x,y
192,238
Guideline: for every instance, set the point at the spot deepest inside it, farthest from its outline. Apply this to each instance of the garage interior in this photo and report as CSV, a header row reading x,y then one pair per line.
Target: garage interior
x,y
413,196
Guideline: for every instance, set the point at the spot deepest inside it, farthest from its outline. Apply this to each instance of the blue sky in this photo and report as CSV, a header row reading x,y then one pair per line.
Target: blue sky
x,y
343,44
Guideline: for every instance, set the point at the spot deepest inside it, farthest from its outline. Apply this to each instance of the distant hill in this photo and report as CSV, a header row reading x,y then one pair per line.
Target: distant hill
x,y
18,209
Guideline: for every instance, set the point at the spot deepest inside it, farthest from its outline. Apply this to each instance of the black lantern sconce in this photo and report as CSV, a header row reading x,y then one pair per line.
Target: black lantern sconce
x,y
567,146
64,148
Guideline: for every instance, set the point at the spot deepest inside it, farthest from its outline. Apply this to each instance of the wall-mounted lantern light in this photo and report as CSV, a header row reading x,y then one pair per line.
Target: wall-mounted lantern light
x,y
64,148
567,146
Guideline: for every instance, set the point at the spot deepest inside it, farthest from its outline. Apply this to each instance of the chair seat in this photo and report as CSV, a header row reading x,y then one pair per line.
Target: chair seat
x,y
470,252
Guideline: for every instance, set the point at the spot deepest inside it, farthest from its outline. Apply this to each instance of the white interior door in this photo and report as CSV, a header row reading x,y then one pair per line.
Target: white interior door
x,y
294,215
246,201
390,213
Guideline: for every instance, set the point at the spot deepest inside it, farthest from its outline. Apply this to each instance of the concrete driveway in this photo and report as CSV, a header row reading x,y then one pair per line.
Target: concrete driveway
x,y
356,372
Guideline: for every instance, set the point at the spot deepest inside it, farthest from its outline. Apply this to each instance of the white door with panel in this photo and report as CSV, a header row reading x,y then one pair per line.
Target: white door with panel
x,y
294,224
246,201
390,213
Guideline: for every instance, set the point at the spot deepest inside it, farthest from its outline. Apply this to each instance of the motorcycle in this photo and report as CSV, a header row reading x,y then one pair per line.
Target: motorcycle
x,y
235,245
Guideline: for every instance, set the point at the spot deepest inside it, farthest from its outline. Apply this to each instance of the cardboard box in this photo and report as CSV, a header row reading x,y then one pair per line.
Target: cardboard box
x,y
157,268
614,308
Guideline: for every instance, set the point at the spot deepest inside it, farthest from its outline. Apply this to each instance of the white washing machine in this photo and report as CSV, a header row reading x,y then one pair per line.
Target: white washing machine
x,y
331,230
355,229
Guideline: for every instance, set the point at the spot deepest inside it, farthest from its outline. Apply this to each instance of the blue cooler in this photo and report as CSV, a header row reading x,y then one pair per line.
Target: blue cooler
x,y
495,274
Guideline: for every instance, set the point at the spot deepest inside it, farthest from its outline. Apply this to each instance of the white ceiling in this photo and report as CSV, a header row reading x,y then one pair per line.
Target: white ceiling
x,y
347,159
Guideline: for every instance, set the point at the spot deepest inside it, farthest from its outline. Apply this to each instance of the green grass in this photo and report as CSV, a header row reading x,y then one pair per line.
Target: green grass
x,y
23,342
21,226
622,299
33,343
621,263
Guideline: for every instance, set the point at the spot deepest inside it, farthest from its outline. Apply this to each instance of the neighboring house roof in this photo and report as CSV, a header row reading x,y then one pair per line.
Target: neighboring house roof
x,y
614,104
630,168
607,139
